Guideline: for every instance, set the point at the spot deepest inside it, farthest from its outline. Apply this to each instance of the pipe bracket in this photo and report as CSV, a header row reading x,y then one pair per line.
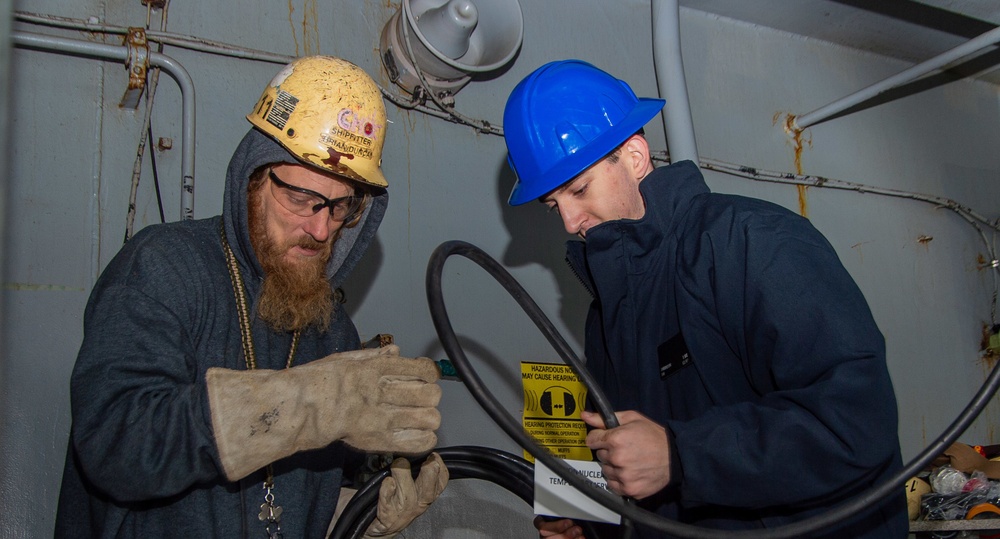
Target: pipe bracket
x,y
137,65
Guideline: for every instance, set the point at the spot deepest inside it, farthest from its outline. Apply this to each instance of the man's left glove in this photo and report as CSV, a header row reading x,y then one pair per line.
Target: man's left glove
x,y
373,400
401,499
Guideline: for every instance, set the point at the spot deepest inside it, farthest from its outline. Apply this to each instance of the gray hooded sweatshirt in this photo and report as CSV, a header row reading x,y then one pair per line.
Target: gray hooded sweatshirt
x,y
142,459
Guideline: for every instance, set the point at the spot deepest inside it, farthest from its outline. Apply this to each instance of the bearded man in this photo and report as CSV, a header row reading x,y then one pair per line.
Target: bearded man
x,y
221,387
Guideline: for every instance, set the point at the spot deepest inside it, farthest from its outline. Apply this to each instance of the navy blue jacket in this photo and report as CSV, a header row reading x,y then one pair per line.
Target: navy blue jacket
x,y
783,405
142,460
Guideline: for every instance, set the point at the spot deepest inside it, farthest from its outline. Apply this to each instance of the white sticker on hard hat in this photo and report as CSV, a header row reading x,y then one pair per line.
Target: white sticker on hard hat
x,y
283,107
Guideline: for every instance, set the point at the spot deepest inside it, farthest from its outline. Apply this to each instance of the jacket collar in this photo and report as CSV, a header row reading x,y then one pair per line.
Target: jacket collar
x,y
668,193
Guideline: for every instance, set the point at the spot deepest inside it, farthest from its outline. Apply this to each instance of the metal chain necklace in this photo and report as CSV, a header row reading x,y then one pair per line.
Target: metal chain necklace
x,y
270,513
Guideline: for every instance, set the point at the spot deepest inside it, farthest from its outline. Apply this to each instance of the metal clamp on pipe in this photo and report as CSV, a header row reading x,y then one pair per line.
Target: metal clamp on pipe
x,y
113,52
137,64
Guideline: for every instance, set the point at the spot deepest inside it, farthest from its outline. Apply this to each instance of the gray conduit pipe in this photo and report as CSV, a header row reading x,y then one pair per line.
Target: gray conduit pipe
x,y
121,53
669,68
975,44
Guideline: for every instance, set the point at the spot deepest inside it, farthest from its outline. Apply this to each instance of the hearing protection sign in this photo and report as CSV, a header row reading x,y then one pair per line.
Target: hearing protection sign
x,y
553,399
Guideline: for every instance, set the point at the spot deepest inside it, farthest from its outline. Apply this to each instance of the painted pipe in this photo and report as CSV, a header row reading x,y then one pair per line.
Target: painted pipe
x,y
977,43
121,53
669,68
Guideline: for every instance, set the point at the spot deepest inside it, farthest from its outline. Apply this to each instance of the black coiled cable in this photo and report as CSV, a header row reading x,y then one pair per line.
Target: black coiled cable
x,y
856,505
464,462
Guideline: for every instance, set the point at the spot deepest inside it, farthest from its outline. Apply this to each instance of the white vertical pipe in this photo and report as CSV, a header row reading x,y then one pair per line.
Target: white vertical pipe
x,y
186,85
669,67
168,64
982,41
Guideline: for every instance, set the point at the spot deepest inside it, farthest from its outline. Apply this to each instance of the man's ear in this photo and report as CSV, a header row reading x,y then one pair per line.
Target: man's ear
x,y
635,152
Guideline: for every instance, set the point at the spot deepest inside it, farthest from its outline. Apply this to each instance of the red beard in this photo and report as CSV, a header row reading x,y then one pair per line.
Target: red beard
x,y
295,295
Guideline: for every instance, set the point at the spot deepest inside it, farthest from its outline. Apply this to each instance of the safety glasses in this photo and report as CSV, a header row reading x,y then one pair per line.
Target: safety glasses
x,y
306,203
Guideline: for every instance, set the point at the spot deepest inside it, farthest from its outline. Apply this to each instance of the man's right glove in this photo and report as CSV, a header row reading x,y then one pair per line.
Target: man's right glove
x,y
373,400
401,499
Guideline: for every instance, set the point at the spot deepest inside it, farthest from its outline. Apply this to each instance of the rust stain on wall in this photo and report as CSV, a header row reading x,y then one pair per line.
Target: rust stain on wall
x,y
857,247
797,145
989,357
986,263
291,22
310,27
923,430
803,201
990,354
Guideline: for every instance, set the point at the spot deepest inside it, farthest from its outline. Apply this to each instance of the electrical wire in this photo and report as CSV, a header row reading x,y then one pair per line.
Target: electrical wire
x,y
152,81
819,181
858,504
149,121
140,150
156,177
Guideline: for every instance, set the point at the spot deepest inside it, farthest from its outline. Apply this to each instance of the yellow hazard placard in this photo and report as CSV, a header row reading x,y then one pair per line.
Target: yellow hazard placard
x,y
553,399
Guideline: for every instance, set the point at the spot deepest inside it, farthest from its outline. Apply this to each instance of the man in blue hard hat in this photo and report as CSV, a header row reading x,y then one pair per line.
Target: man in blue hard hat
x,y
748,370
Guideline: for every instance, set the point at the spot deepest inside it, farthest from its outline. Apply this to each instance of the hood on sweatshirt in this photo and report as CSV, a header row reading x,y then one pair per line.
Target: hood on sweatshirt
x,y
257,150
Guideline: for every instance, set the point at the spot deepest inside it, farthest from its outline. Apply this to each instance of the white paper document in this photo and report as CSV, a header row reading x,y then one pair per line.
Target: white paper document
x,y
554,495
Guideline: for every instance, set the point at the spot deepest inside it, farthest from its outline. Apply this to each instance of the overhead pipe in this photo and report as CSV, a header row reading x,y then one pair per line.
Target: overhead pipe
x,y
122,53
982,41
669,68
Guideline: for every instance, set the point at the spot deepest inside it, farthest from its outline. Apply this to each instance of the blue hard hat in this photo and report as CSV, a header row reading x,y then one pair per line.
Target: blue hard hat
x,y
564,117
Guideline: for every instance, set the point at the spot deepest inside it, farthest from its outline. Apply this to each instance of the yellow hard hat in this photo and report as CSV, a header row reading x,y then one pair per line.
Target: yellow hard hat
x,y
329,113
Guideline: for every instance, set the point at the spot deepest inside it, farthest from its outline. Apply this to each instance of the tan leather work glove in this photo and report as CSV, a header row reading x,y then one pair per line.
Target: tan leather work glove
x,y
373,400
401,499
